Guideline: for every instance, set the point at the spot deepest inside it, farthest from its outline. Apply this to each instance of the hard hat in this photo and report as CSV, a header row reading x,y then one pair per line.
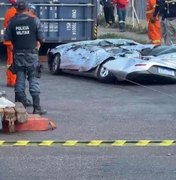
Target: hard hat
x,y
12,1
21,5
32,7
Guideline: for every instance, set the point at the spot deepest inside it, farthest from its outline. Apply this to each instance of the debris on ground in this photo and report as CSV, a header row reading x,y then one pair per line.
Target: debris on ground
x,y
15,118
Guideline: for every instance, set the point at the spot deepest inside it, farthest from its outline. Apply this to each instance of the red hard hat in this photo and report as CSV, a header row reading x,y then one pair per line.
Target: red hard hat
x,y
12,1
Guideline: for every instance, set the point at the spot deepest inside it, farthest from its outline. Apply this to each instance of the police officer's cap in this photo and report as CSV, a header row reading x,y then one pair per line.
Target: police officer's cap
x,y
21,5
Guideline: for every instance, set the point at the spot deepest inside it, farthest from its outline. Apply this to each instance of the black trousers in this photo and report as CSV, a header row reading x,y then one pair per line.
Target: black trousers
x,y
109,14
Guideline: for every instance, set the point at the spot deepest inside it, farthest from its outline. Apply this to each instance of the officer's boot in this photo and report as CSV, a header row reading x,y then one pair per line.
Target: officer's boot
x,y
36,105
21,97
28,102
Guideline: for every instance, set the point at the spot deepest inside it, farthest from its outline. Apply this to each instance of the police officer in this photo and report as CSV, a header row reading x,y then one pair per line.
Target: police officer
x,y
24,31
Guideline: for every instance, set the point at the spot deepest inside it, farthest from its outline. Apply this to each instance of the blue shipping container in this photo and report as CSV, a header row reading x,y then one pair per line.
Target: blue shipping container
x,y
63,20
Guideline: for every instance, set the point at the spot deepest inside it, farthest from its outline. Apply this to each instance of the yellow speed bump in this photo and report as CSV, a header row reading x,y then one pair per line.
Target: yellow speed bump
x,y
90,143
1,143
94,143
21,143
119,143
70,143
166,142
46,143
142,143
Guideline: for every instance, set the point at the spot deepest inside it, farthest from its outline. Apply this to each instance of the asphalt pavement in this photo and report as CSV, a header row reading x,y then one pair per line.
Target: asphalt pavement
x,y
85,109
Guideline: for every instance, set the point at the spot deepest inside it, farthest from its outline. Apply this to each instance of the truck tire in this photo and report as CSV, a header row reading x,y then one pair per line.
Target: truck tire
x,y
55,65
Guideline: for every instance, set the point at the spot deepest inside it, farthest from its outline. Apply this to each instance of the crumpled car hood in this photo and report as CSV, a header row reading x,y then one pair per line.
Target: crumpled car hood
x,y
122,66
86,55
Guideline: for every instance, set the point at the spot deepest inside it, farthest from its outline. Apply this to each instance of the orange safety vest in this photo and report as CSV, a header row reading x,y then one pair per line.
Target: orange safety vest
x,y
7,17
154,32
150,9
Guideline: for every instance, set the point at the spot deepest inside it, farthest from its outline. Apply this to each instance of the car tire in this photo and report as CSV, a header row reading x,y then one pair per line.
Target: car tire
x,y
104,75
55,65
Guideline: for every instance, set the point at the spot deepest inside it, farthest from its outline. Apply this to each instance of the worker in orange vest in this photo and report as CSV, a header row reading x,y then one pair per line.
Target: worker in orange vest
x,y
11,78
154,30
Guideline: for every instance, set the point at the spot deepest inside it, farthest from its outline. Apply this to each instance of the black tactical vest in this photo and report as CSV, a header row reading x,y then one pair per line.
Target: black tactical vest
x,y
24,31
168,8
106,3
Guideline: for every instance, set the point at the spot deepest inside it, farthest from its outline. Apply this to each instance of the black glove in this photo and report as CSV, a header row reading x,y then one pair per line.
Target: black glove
x,y
153,20
39,71
13,69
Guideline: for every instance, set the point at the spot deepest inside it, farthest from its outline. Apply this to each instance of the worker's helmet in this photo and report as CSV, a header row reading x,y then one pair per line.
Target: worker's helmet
x,y
32,8
21,5
12,1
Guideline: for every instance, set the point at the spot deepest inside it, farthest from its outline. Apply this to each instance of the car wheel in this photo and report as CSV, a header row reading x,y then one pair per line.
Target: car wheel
x,y
104,75
55,65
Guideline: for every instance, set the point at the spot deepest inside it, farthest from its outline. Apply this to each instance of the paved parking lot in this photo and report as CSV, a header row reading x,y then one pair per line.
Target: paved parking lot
x,y
85,109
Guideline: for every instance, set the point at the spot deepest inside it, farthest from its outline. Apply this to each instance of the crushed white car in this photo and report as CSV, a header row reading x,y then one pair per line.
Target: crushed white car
x,y
115,59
